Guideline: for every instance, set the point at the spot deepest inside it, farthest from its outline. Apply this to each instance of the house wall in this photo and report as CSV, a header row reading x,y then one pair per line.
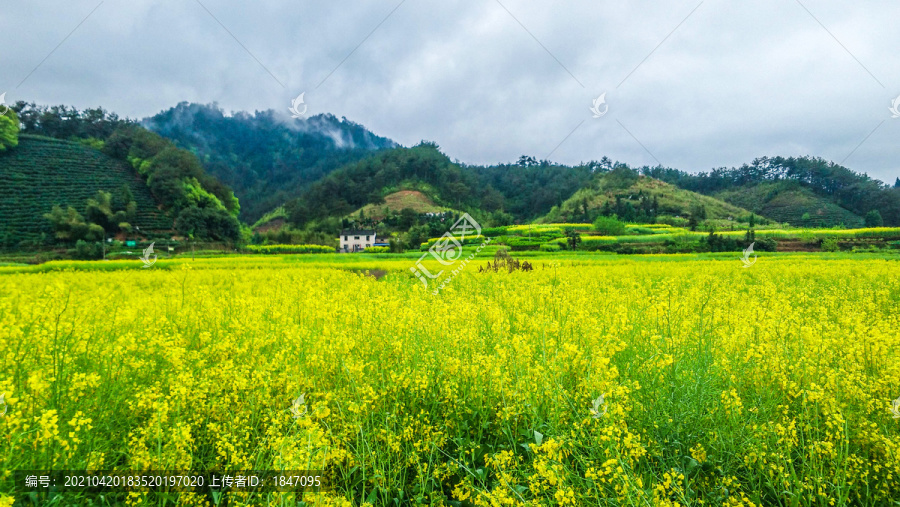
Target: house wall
x,y
356,243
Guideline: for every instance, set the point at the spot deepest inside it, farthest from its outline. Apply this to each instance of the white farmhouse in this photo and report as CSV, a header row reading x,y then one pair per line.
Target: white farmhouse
x,y
356,240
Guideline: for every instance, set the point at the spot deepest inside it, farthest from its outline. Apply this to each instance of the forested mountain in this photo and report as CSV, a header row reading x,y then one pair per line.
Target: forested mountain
x,y
266,157
497,194
805,191
271,160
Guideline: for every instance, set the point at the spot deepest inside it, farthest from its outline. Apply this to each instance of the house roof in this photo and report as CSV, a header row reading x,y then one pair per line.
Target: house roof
x,y
357,232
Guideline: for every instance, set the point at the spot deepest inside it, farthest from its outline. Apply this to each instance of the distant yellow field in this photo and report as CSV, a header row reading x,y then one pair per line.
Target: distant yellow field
x,y
592,381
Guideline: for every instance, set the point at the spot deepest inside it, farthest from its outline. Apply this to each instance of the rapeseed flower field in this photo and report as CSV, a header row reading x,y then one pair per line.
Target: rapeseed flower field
x,y
587,381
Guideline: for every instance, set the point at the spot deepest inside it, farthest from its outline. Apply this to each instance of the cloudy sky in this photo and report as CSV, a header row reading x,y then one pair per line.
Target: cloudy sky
x,y
688,84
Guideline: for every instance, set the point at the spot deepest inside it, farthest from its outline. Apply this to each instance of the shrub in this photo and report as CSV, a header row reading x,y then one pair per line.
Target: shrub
x,y
672,221
396,246
493,231
830,245
609,226
87,250
9,130
550,247
518,241
873,219
766,245
378,249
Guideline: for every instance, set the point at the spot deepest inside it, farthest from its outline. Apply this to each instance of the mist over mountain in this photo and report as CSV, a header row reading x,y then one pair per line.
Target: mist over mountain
x,y
267,157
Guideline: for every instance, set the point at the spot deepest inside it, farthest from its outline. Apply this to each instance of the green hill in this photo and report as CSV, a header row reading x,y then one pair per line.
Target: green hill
x,y
787,202
42,172
802,191
638,198
397,202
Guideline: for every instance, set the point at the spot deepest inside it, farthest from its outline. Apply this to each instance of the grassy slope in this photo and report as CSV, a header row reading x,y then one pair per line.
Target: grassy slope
x,y
788,203
271,220
42,172
413,199
672,200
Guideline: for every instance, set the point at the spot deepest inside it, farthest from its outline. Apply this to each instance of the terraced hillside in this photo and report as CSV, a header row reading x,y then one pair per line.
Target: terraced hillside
x,y
790,203
42,172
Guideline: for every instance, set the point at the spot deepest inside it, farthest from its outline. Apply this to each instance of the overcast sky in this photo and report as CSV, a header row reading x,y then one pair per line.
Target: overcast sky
x,y
689,84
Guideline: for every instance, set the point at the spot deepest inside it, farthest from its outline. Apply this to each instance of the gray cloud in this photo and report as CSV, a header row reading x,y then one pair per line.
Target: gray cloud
x,y
735,81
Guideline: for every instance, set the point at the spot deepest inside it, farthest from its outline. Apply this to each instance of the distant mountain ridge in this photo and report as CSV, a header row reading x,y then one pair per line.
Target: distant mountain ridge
x,y
803,192
327,168
271,160
267,157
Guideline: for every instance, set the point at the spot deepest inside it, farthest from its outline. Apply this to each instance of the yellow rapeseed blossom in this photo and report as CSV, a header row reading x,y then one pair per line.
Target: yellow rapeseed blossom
x,y
593,380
